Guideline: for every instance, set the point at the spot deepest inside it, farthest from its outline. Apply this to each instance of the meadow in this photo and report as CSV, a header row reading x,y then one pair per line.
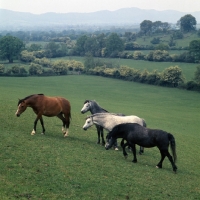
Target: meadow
x,y
188,69
53,167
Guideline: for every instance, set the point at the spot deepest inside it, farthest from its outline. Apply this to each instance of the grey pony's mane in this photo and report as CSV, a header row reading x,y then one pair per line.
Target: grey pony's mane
x,y
21,100
94,102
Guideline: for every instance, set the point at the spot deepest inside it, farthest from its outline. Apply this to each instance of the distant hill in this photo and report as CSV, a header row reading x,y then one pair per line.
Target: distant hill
x,y
17,20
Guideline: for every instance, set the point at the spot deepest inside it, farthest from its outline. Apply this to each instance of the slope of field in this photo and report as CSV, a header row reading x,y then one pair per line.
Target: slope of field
x,y
52,167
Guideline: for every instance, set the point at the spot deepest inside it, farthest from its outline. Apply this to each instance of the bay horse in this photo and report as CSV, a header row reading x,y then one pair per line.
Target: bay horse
x,y
47,106
136,134
109,120
93,107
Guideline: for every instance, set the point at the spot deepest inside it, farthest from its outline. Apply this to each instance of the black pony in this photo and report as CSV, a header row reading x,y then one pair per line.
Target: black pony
x,y
136,134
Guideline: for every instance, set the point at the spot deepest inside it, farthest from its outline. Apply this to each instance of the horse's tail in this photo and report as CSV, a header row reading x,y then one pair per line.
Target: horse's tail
x,y
172,146
144,123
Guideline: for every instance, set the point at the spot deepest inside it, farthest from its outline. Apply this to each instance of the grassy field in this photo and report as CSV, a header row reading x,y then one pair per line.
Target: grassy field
x,y
52,167
188,69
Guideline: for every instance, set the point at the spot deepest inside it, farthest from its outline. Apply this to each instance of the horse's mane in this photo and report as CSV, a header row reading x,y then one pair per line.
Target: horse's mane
x,y
101,114
21,100
93,101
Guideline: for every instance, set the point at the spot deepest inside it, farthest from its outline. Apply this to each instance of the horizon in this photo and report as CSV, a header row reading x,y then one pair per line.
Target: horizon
x,y
89,6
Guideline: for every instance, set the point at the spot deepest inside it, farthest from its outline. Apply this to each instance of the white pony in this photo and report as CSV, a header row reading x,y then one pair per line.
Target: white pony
x,y
109,120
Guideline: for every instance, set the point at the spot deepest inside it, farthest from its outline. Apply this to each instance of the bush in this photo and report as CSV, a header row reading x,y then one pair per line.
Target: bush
x,y
192,85
197,74
26,56
60,67
35,69
172,76
2,68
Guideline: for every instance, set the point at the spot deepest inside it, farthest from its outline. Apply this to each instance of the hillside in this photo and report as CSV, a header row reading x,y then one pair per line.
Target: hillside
x,y
126,16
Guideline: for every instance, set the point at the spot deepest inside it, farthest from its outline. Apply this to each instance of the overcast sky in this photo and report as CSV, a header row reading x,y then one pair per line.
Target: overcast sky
x,y
66,6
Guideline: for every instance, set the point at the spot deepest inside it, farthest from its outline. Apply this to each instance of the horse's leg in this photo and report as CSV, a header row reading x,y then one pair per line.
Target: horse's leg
x,y
171,160
35,124
42,123
134,153
124,149
98,134
141,150
122,143
102,136
162,152
65,132
66,122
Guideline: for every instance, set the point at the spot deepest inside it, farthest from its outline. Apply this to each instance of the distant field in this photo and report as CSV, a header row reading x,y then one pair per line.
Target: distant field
x,y
146,40
52,167
188,69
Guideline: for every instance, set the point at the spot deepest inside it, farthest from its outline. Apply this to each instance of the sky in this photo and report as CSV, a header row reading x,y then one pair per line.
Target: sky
x,y
86,6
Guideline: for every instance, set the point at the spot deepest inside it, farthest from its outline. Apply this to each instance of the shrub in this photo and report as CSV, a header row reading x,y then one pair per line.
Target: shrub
x,y
2,68
35,69
26,56
172,76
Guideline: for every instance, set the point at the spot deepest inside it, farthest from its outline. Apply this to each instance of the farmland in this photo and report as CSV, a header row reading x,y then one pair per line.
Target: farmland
x,y
52,167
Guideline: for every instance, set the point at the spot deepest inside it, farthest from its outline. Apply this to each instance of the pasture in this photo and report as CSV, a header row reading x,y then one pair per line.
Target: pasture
x,y
53,167
188,69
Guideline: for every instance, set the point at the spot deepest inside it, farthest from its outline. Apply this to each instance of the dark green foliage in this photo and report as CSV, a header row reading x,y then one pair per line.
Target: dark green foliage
x,y
146,27
155,40
10,48
197,75
194,49
114,45
187,23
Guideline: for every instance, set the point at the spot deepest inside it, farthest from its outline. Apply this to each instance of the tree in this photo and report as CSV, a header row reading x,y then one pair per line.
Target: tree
x,y
187,23
146,27
114,44
52,49
194,49
80,43
197,74
10,48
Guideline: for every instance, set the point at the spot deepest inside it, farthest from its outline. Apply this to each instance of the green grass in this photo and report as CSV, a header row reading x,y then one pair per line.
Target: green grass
x,y
146,40
188,69
52,167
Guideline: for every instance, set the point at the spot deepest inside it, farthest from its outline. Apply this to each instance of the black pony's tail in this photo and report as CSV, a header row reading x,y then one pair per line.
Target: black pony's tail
x,y
172,146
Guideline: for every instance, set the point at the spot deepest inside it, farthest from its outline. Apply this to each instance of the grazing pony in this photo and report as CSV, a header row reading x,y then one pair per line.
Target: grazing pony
x,y
136,134
94,108
47,106
109,120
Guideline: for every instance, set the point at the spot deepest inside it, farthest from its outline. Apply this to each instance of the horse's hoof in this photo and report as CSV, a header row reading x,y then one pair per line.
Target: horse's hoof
x,y
66,134
134,161
158,167
126,156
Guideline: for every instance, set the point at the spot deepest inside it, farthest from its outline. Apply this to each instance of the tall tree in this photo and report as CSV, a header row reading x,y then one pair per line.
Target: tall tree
x,y
10,48
194,49
114,44
187,23
146,27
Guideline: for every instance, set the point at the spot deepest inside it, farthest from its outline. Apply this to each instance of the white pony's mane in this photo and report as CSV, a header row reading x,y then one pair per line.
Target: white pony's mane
x,y
101,114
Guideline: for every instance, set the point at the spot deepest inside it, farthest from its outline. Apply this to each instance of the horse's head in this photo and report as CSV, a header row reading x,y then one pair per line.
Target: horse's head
x,y
109,143
86,106
21,108
89,122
